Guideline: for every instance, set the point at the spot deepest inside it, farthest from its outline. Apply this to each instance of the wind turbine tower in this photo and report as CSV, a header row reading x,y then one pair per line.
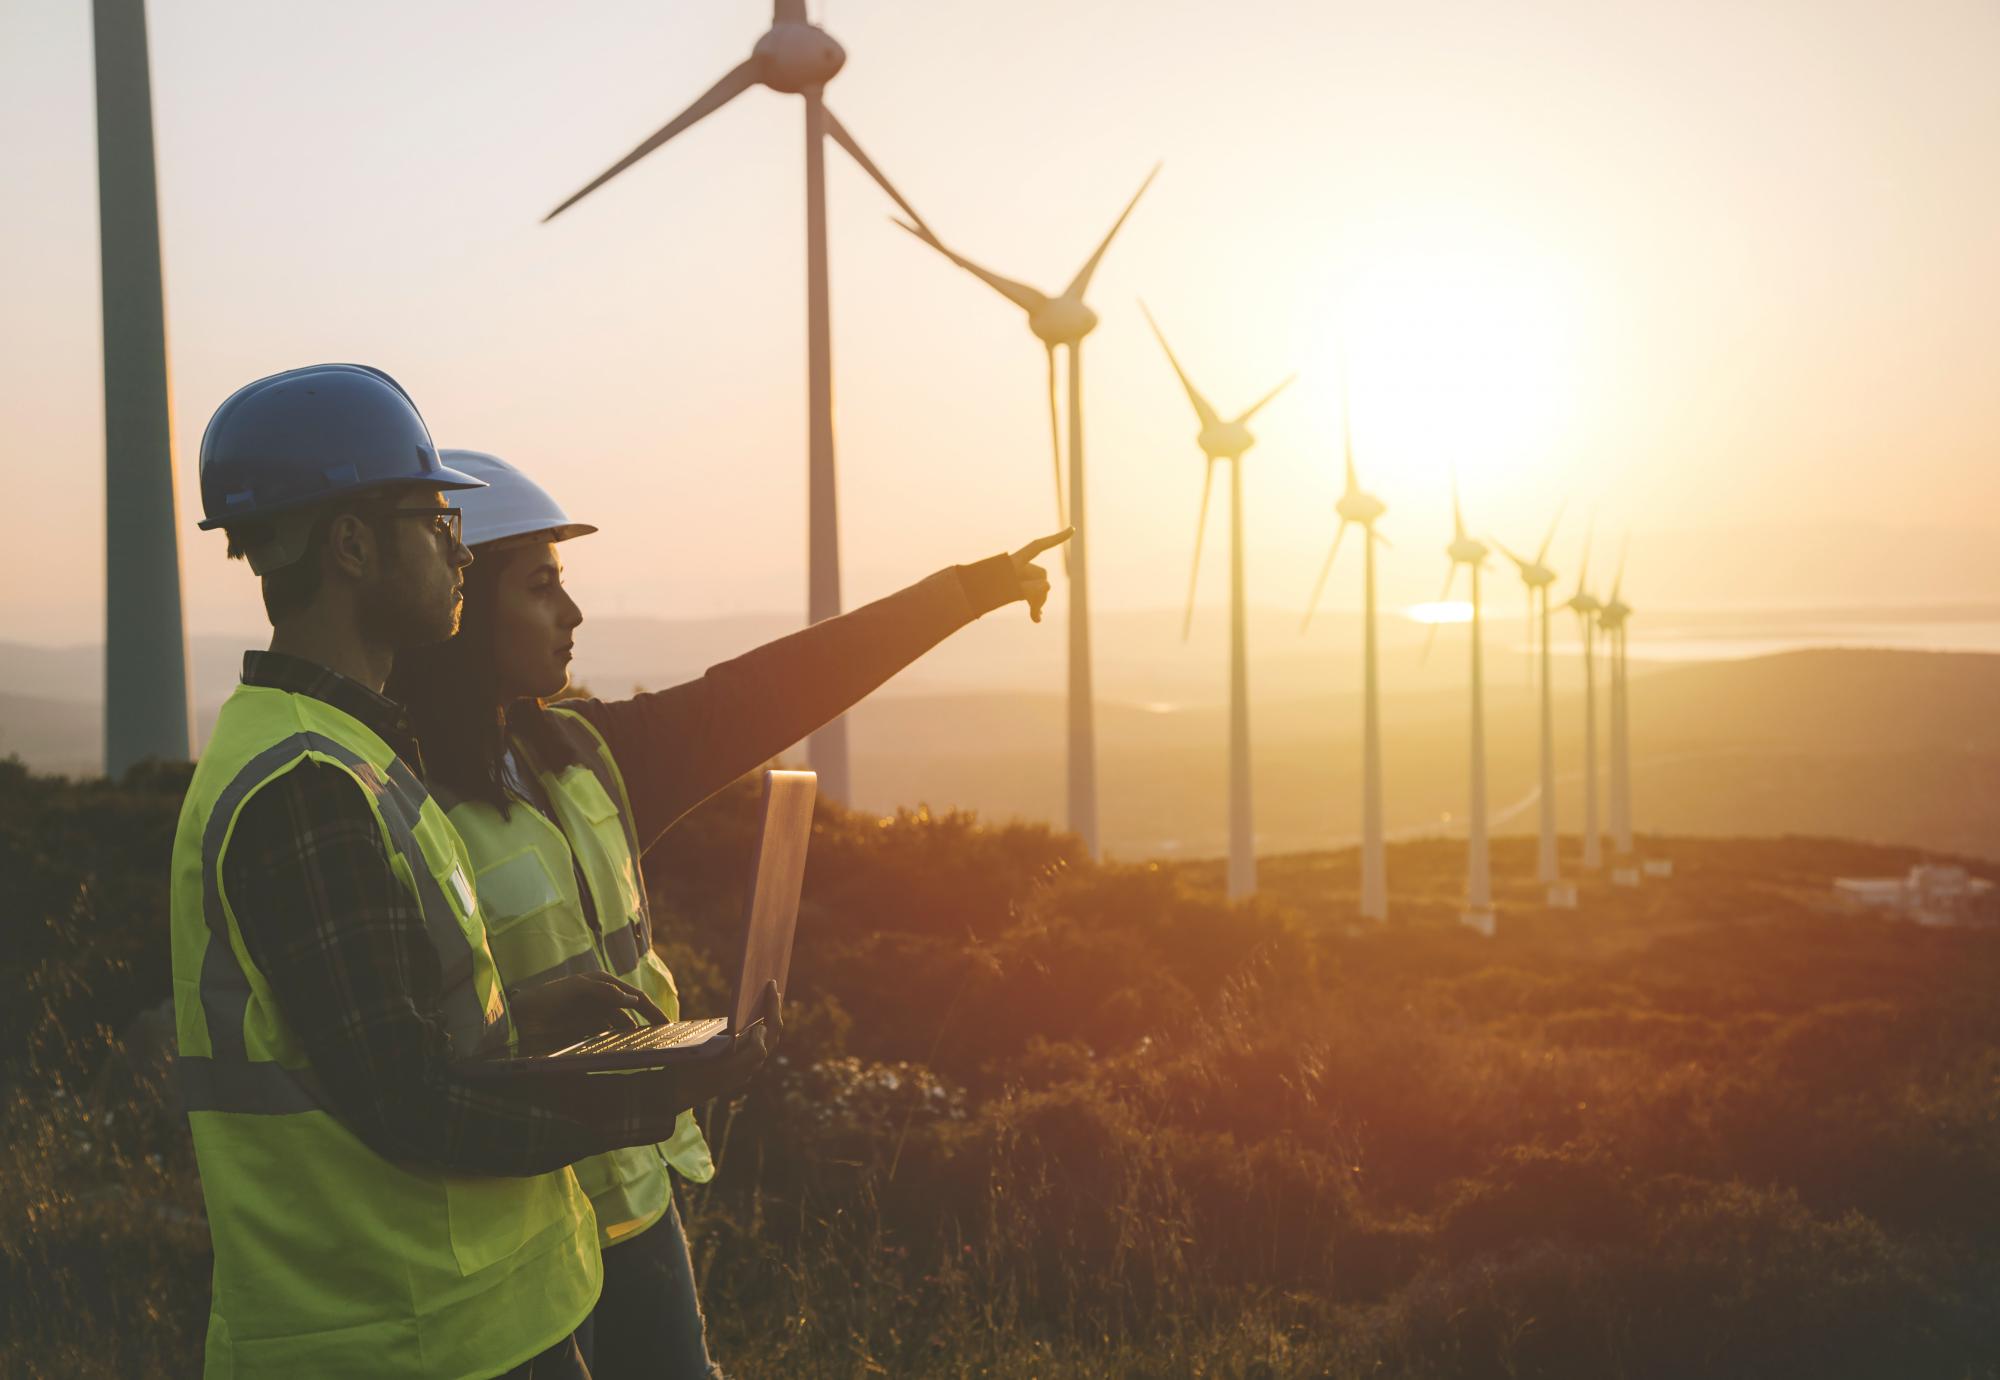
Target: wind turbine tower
x,y
1064,321
1363,510
1465,551
145,642
1227,440
798,59
1612,618
1538,579
1586,607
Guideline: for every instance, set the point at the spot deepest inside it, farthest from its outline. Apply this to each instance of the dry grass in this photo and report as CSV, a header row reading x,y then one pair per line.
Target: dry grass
x,y
1039,1118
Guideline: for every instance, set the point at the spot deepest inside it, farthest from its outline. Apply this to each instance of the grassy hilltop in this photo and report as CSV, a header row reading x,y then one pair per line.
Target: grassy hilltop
x,y
1036,1117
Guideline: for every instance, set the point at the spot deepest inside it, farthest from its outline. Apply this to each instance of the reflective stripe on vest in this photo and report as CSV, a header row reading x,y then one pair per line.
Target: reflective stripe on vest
x,y
585,962
228,1080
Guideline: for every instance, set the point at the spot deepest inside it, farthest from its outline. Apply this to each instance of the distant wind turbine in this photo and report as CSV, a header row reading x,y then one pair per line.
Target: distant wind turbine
x,y
1586,607
1227,440
1064,320
1538,578
1363,510
798,59
1612,618
1465,551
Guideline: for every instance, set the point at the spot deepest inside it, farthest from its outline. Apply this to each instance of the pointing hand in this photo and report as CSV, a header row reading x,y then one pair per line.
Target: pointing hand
x,y
1033,579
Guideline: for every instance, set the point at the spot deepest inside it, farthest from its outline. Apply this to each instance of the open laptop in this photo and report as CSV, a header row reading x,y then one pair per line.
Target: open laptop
x,y
770,915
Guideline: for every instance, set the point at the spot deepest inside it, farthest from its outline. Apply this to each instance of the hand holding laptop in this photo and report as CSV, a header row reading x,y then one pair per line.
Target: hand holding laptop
x,y
606,1099
707,1079
576,1007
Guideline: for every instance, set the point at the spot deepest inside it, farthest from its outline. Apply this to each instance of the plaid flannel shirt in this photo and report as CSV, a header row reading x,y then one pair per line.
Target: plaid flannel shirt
x,y
342,943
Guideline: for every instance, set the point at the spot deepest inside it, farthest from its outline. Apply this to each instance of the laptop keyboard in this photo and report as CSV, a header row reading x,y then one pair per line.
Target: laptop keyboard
x,y
666,1036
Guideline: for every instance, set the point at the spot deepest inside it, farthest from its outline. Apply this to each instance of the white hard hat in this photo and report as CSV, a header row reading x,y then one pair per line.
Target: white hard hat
x,y
511,504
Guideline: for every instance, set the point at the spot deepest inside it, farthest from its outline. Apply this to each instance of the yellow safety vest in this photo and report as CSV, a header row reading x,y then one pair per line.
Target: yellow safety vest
x,y
525,869
329,1259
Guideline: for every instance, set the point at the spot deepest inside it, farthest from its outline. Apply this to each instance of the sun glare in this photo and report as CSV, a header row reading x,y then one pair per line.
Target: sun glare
x,y
1461,353
1449,611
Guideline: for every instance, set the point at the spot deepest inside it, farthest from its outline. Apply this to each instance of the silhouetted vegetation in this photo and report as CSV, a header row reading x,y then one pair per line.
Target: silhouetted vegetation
x,y
1039,1117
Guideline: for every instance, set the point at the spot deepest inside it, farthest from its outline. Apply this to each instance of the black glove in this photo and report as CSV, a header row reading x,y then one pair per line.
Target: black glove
x,y
690,1085
606,1099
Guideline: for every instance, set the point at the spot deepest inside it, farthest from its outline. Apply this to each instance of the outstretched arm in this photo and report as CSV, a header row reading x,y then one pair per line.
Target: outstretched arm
x,y
679,746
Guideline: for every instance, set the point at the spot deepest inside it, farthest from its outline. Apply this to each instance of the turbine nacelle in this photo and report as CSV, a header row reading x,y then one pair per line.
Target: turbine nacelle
x,y
1534,574
1225,440
1614,614
1061,321
794,57
1466,551
1585,604
1356,506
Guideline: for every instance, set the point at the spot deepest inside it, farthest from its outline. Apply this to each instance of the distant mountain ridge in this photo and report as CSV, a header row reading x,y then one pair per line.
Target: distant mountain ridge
x,y
1883,746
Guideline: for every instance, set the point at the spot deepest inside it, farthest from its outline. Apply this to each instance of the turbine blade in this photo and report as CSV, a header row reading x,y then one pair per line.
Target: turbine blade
x,y
1020,294
1377,536
846,141
1457,514
1312,605
1543,554
1258,406
739,79
1202,408
1055,455
1583,566
1618,577
1200,526
1081,283
1511,556
1347,426
788,11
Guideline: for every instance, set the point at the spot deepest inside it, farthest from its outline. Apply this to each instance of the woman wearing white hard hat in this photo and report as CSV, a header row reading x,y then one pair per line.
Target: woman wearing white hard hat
x,y
558,803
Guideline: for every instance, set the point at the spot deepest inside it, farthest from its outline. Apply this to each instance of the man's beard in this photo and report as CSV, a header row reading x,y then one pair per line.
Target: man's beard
x,y
390,617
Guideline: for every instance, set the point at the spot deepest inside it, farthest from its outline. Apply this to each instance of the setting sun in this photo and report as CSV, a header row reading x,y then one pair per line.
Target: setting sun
x,y
1460,344
1444,611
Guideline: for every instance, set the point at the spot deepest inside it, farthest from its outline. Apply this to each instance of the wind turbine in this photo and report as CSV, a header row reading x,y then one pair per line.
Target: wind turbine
x,y
1064,320
798,59
1227,440
1538,579
1612,619
1363,510
145,642
1465,551
1586,607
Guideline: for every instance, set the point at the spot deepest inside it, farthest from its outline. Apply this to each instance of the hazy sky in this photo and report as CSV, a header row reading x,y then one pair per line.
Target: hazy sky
x,y
1686,265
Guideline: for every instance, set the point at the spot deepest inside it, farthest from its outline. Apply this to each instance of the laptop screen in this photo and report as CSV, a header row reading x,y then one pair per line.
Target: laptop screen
x,y
777,871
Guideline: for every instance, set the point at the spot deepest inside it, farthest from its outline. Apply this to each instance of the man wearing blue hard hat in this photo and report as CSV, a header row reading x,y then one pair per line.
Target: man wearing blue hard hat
x,y
373,1211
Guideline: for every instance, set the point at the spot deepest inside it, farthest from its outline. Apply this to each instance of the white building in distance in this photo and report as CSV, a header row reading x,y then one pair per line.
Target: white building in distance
x,y
1930,894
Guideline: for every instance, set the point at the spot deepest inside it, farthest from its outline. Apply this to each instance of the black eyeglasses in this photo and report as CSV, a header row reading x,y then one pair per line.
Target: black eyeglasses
x,y
447,524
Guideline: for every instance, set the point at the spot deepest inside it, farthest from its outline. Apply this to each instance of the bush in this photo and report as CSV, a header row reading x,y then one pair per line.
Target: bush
x,y
1036,1116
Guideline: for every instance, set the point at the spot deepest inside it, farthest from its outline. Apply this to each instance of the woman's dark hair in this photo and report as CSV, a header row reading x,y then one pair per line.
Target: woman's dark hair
x,y
452,692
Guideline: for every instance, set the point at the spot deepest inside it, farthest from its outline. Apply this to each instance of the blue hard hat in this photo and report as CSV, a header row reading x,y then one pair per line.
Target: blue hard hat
x,y
312,434
511,505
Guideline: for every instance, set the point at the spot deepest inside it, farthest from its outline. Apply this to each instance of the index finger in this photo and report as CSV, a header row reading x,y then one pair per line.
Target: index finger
x,y
1041,544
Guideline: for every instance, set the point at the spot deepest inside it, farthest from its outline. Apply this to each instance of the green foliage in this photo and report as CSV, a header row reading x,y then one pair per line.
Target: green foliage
x,y
1038,1117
